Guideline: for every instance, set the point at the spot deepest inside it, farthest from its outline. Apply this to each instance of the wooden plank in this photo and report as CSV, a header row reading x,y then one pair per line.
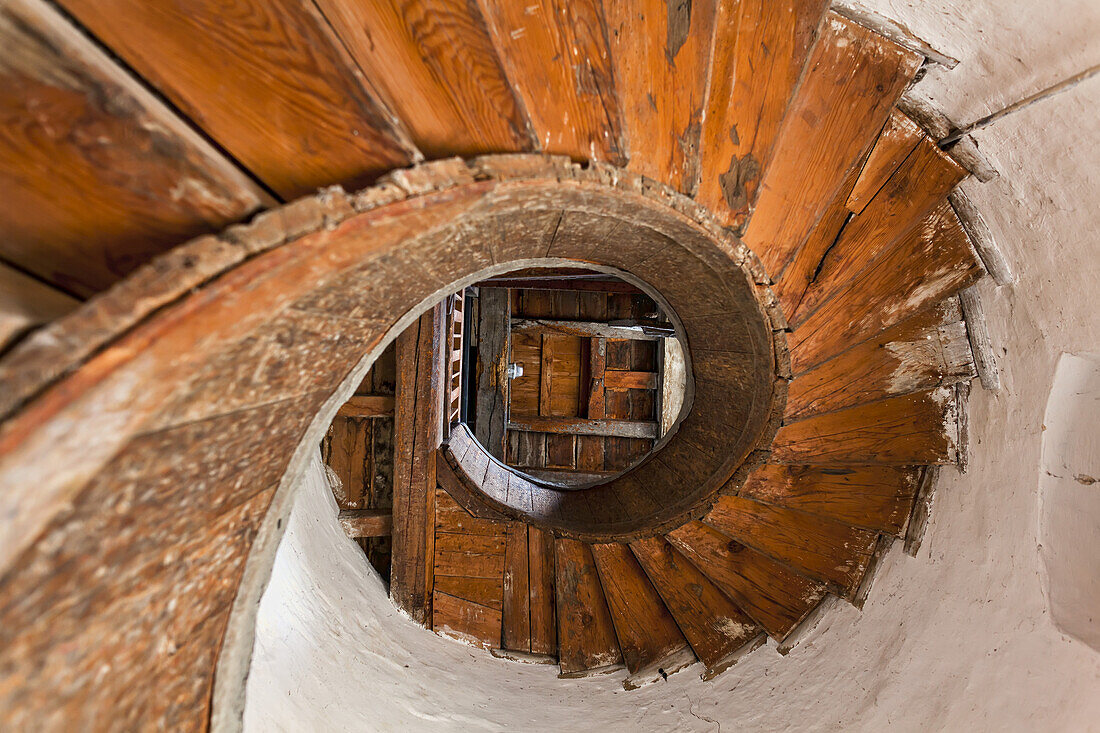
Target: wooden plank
x,y
586,635
597,366
417,435
827,551
582,426
578,284
523,391
546,375
713,624
630,380
364,406
98,175
555,54
923,351
451,517
911,429
877,498
465,620
935,261
540,565
913,203
358,523
26,302
488,592
760,47
770,593
590,453
434,65
493,338
589,329
349,458
899,137
469,555
647,633
852,81
517,592
661,57
270,83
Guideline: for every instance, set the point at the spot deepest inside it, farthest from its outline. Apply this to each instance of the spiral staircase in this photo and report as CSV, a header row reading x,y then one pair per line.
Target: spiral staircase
x,y
748,161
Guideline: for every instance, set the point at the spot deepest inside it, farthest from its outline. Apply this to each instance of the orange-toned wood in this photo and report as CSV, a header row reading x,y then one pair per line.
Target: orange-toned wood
x,y
367,406
269,81
647,632
586,635
597,367
97,175
556,56
771,594
450,517
852,80
590,453
482,591
581,426
932,262
923,351
469,555
911,429
827,551
630,380
760,47
899,137
517,592
913,203
466,620
661,55
358,523
435,66
350,460
540,564
877,498
712,623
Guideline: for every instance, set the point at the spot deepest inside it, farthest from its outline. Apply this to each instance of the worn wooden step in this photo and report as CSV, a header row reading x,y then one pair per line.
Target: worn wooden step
x,y
586,633
917,428
716,628
770,593
828,551
899,137
876,498
926,350
651,643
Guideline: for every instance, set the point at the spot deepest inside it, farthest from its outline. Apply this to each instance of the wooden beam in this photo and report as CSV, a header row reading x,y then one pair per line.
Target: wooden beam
x,y
417,434
581,426
614,379
591,329
26,302
579,284
597,367
366,522
493,338
380,405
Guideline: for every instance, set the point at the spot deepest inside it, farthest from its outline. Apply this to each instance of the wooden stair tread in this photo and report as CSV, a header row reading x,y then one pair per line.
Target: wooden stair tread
x,y
647,633
897,140
586,633
713,624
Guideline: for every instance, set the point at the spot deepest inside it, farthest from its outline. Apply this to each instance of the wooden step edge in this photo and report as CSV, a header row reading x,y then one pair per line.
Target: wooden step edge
x,y
672,663
808,623
882,546
824,517
523,657
735,656
591,672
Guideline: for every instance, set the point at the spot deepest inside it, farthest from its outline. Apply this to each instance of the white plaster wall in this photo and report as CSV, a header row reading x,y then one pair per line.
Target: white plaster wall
x,y
959,638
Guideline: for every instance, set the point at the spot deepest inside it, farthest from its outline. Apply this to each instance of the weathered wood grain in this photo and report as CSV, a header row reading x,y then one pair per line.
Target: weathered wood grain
x,y
614,379
912,203
555,54
493,338
586,634
517,591
771,594
713,624
588,329
760,47
934,261
362,406
469,555
827,551
876,498
98,175
596,407
417,434
540,568
349,458
852,80
647,633
923,351
486,592
269,81
899,137
27,302
583,426
358,523
451,517
435,66
661,54
466,620
916,428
